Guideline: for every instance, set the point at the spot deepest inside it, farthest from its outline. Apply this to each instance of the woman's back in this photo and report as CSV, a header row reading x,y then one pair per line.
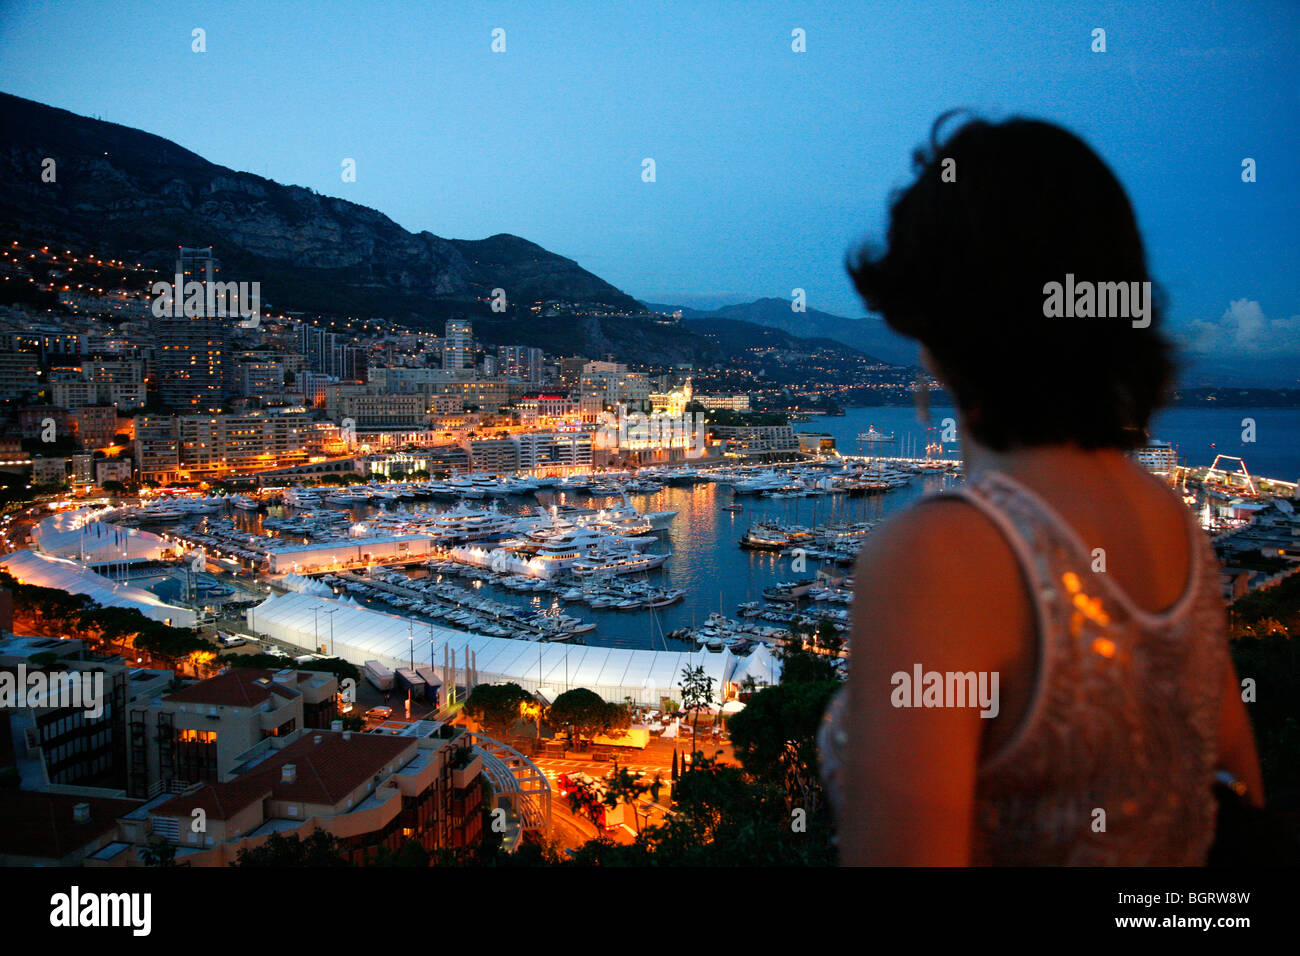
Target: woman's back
x,y
1112,757
1110,666
1060,570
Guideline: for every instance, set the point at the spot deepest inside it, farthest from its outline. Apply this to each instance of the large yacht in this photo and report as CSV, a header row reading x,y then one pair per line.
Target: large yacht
x,y
626,562
464,522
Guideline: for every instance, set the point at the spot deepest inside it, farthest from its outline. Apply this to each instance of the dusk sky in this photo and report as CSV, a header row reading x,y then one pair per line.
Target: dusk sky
x,y
770,163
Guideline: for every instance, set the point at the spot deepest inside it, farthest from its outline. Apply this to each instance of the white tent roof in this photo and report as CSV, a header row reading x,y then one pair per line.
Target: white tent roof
x,y
361,634
76,535
305,585
761,664
47,571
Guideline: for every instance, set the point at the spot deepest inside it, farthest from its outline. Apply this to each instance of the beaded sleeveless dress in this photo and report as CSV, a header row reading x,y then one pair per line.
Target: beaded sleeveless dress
x,y
1123,717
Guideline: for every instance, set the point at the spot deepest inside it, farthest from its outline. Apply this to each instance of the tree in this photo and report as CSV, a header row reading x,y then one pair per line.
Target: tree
x,y
114,487
775,738
586,799
409,854
723,817
827,638
158,852
799,665
496,706
697,694
319,849
623,786
587,714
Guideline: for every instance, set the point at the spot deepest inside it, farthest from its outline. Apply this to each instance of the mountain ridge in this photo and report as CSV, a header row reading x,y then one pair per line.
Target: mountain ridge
x,y
868,335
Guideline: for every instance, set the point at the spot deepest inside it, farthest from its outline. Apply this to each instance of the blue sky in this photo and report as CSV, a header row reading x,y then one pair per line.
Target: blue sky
x,y
770,163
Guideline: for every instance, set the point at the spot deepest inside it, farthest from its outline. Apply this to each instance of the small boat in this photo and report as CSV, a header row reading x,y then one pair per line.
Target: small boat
x,y
733,507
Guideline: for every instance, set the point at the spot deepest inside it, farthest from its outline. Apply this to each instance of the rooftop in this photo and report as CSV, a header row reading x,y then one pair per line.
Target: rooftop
x,y
237,687
326,772
42,824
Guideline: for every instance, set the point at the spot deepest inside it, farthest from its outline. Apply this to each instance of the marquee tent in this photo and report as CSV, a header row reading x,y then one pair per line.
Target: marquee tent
x,y
79,536
47,571
761,664
361,635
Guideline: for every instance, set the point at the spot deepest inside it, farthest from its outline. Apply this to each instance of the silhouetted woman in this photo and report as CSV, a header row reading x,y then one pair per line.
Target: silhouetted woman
x,y
1061,566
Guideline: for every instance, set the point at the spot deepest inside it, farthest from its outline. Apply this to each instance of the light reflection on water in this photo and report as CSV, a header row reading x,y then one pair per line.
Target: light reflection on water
x,y
707,560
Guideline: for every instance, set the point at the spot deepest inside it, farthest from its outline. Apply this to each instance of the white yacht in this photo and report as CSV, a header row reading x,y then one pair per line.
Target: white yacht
x,y
625,562
464,522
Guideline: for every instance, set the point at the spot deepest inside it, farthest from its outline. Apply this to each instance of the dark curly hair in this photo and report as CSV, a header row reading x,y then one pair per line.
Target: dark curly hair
x,y
966,274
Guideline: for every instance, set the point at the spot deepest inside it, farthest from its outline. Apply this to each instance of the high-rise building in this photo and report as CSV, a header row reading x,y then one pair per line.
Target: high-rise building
x,y
521,362
331,353
458,344
191,353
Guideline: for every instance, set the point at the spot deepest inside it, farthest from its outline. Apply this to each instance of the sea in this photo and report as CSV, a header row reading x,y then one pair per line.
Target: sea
x,y
708,563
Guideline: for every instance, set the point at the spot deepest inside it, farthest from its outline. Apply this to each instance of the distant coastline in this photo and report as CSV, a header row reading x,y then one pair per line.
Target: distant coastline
x,y
1223,397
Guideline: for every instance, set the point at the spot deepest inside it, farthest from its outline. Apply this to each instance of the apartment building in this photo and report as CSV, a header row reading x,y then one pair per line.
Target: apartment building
x,y
370,791
608,384
61,740
494,454
533,409
191,356
554,450
119,383
95,425
19,375
49,470
255,379
111,469
757,441
197,734
220,444
729,403
157,448
487,395
458,345
520,362
370,407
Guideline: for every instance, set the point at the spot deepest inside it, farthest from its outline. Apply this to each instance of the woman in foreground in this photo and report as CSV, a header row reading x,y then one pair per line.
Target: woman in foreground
x,y
1060,574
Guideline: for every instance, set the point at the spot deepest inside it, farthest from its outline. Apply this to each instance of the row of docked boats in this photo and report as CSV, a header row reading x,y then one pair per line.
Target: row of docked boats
x,y
834,539
719,632
438,600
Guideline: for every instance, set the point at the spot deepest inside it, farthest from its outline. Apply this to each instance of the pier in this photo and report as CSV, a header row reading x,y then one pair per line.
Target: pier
x,y
422,596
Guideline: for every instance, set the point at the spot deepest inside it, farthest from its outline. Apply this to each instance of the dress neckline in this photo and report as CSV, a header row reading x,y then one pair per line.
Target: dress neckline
x,y
1150,618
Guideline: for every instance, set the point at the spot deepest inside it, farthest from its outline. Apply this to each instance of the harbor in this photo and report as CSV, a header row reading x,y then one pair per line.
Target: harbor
x,y
725,556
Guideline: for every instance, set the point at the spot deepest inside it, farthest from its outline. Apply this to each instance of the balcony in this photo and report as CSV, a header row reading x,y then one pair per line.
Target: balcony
x,y
462,777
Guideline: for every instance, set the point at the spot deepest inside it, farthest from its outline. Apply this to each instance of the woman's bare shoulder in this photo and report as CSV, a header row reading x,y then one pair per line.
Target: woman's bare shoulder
x,y
931,529
942,572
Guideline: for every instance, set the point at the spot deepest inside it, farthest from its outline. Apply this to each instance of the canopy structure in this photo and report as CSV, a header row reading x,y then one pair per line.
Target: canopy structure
x,y
761,664
80,536
361,635
47,571
305,585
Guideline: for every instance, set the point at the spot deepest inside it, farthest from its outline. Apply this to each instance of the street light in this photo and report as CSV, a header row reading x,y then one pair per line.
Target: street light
x,y
331,612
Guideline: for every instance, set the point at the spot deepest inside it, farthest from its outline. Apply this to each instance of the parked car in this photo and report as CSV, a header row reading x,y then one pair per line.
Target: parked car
x,y
379,713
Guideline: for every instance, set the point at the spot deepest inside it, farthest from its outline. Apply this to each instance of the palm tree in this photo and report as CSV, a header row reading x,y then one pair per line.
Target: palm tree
x,y
697,693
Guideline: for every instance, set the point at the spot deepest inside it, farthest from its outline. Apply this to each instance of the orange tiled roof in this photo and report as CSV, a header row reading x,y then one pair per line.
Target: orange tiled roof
x,y
326,773
237,687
